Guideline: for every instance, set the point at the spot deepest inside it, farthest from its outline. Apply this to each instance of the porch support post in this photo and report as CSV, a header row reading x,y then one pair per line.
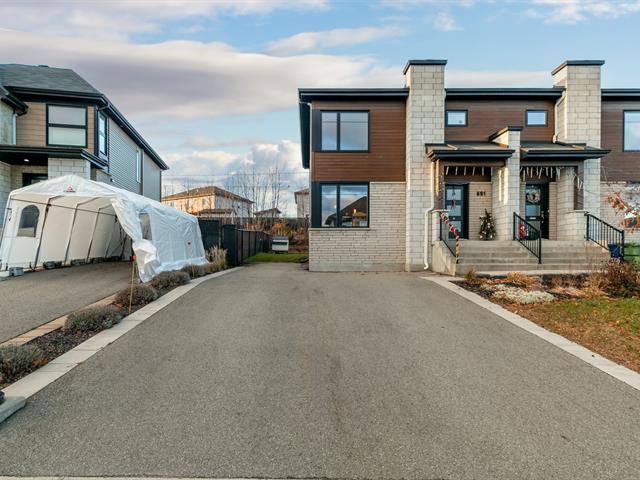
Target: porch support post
x,y
505,184
570,222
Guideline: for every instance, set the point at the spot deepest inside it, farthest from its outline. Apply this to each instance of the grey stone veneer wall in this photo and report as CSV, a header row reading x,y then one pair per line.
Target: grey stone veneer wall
x,y
381,247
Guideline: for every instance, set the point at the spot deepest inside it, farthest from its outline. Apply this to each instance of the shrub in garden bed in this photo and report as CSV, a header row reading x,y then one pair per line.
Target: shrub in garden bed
x,y
17,360
138,296
617,279
93,319
194,271
169,280
217,258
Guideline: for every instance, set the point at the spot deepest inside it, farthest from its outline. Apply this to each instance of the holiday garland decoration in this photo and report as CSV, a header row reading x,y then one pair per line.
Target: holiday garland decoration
x,y
487,226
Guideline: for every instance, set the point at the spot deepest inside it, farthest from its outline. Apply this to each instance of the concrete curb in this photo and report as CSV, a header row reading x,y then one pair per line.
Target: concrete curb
x,y
618,372
49,373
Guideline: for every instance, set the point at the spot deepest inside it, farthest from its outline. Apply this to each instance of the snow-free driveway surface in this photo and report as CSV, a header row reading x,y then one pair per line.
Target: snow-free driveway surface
x,y
274,372
37,297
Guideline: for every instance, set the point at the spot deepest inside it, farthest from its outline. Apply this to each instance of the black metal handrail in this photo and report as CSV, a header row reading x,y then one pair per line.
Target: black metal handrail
x,y
449,235
605,235
529,236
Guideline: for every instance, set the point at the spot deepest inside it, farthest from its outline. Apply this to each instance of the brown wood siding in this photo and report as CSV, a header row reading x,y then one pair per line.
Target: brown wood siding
x,y
385,160
31,127
489,116
618,166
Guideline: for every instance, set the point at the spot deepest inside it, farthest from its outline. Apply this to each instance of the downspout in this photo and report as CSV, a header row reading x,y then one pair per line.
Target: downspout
x,y
427,217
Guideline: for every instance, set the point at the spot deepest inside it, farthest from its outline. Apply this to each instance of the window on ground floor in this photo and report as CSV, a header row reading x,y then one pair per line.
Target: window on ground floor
x,y
632,130
343,205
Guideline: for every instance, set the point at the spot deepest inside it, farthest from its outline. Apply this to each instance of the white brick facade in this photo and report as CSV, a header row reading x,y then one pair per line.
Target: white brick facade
x,y
506,186
68,166
381,247
5,188
424,124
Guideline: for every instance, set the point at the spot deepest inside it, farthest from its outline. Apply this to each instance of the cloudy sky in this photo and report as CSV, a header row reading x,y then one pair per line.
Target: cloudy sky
x,y
212,83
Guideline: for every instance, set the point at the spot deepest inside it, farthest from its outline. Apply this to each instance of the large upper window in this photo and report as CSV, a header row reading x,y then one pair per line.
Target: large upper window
x,y
536,118
344,205
102,134
456,118
632,131
345,131
66,126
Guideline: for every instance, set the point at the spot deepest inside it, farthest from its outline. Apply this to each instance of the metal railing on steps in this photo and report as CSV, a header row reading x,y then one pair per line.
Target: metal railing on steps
x,y
449,235
528,236
605,235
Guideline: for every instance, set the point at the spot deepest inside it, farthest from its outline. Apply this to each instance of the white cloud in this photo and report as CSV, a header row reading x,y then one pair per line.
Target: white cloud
x,y
189,79
443,21
315,41
120,19
575,11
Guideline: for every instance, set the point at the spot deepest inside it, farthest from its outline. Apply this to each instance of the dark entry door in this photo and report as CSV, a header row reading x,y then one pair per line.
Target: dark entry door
x,y
536,208
455,202
31,178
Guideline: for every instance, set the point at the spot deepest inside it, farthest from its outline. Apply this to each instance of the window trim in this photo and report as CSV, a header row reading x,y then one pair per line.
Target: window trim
x,y
624,124
457,110
64,125
106,134
316,204
30,206
536,110
339,150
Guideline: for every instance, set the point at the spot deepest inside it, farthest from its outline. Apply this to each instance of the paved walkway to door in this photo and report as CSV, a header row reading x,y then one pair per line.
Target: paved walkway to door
x,y
38,297
275,372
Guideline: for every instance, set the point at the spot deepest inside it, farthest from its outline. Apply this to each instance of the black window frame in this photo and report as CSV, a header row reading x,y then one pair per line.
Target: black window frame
x,y
316,203
624,127
338,149
64,125
456,110
99,115
536,110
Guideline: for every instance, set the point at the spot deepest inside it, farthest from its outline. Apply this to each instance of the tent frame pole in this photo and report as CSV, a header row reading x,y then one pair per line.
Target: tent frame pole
x,y
44,221
73,223
93,233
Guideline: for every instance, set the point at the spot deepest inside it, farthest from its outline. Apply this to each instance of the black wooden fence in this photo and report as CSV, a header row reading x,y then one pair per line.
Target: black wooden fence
x,y
238,243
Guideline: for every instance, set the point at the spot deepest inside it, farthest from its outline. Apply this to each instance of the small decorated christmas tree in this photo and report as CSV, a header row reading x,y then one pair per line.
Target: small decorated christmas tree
x,y
487,227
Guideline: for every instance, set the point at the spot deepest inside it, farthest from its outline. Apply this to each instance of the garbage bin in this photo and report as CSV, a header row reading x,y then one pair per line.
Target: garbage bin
x,y
632,253
614,250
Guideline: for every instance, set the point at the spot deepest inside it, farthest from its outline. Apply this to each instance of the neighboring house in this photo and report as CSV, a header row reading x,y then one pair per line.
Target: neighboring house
x,y
212,202
268,213
302,202
385,163
53,123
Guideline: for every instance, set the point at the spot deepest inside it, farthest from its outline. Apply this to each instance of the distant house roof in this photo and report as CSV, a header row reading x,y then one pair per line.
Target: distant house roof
x,y
304,191
39,81
268,211
206,192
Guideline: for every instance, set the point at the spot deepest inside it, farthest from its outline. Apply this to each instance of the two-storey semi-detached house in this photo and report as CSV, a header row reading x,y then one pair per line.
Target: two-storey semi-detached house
x,y
211,202
53,123
397,174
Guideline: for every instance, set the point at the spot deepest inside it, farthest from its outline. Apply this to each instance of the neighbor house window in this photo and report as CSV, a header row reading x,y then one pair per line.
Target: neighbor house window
x,y
28,221
344,205
102,134
536,118
138,166
456,118
66,126
345,131
632,131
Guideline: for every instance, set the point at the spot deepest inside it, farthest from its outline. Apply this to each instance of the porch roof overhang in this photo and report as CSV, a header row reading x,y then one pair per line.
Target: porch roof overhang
x,y
24,155
554,152
482,154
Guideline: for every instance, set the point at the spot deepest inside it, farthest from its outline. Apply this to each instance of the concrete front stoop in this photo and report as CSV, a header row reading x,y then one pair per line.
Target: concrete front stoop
x,y
494,257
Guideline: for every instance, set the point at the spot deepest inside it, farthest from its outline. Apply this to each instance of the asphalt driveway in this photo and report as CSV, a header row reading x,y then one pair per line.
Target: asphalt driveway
x,y
37,297
273,372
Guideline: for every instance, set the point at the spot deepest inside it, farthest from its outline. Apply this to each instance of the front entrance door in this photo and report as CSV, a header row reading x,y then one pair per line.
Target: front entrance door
x,y
536,208
455,202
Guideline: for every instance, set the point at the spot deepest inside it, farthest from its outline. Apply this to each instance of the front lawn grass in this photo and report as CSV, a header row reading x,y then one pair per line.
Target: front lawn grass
x,y
608,326
278,257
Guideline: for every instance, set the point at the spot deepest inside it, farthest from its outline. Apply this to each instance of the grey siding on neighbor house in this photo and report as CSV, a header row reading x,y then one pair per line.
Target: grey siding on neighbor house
x,y
151,178
122,159
6,124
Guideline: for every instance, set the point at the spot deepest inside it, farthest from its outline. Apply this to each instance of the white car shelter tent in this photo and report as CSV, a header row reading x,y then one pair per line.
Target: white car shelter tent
x,y
69,219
